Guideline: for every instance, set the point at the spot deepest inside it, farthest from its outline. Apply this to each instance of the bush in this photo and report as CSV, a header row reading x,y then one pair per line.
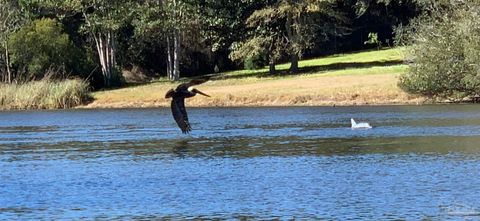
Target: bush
x,y
444,56
44,94
39,47
254,63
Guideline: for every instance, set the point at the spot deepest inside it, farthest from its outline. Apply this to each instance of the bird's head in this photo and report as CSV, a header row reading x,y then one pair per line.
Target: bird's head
x,y
169,93
196,91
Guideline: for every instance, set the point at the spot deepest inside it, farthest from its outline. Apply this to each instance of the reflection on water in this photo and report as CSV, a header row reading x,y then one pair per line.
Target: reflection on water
x,y
260,163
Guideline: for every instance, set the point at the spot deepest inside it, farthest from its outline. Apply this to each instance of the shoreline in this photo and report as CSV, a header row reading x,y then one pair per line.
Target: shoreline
x,y
193,104
426,103
413,102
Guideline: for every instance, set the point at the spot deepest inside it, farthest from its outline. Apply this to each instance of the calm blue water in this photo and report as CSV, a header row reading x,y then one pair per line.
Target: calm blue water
x,y
418,162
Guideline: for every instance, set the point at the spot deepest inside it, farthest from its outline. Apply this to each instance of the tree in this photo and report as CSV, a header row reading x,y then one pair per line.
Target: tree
x,y
223,23
10,21
302,19
102,20
176,21
286,27
265,38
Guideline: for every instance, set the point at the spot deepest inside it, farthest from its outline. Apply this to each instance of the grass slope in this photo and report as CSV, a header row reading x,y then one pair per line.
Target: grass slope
x,y
348,79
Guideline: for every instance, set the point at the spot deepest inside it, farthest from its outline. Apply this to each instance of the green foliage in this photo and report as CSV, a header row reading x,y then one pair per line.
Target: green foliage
x,y
223,21
284,29
10,19
100,21
444,56
373,39
98,15
40,46
209,31
255,62
45,94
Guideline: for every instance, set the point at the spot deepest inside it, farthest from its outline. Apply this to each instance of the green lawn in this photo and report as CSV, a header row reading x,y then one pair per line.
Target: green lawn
x,y
332,63
368,77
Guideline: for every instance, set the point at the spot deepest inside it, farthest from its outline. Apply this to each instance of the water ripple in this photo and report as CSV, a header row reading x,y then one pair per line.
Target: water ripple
x,y
418,162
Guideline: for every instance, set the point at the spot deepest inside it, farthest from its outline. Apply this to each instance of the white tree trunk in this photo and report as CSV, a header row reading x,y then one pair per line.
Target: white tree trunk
x,y
176,44
107,58
113,61
98,44
176,57
7,63
169,60
106,55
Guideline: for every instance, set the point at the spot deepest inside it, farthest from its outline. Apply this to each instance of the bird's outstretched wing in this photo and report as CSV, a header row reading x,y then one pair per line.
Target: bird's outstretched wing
x,y
193,82
180,114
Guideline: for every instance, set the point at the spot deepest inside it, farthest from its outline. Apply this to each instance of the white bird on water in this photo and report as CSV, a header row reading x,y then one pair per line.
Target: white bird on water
x,y
360,125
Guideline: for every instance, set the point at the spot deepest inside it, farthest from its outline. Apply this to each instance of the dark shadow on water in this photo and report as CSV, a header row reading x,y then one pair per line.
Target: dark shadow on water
x,y
180,148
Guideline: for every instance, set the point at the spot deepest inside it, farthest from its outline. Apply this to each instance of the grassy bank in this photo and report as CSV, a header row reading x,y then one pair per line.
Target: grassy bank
x,y
348,79
44,94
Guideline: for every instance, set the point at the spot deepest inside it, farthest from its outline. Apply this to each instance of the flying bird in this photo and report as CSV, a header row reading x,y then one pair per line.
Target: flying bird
x,y
178,95
361,125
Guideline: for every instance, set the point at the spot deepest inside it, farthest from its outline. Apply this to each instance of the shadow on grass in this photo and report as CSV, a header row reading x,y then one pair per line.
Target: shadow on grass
x,y
313,69
280,73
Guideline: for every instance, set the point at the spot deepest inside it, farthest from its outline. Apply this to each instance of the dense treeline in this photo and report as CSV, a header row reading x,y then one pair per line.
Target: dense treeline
x,y
100,40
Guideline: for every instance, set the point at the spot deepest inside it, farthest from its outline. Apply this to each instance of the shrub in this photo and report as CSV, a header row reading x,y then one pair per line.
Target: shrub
x,y
254,63
444,53
40,46
373,40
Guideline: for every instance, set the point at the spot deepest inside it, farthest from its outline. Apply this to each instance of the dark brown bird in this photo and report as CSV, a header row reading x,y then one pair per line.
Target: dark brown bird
x,y
178,96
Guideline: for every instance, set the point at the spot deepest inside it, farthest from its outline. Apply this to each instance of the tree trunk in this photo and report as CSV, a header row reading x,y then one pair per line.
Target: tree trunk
x,y
292,41
7,64
112,59
107,60
271,67
294,63
99,44
176,57
106,54
169,59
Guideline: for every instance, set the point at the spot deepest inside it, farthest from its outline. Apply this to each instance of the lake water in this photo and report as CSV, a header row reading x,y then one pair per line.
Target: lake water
x,y
418,162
